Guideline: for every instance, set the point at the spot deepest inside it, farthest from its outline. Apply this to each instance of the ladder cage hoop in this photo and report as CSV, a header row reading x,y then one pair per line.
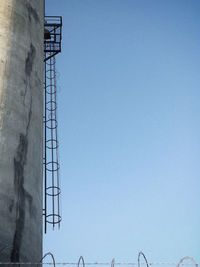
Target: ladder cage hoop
x,y
56,191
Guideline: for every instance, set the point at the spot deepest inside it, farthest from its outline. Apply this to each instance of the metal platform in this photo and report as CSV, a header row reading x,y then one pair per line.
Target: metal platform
x,y
52,36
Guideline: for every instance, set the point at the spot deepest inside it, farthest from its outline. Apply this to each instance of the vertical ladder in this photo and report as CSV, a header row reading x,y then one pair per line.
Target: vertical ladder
x,y
52,191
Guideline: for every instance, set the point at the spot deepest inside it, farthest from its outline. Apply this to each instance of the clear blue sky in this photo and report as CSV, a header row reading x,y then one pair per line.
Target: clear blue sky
x,y
129,129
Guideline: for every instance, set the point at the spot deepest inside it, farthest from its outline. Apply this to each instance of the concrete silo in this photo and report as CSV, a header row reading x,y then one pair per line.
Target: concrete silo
x,y
21,112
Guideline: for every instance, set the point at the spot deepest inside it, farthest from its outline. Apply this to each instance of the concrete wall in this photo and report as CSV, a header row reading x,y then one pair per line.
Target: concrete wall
x,y
21,74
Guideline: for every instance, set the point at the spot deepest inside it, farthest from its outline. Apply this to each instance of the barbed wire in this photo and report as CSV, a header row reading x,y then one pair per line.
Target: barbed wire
x,y
52,257
139,256
99,263
111,264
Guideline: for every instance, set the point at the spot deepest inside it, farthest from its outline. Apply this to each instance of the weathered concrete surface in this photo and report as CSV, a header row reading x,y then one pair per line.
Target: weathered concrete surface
x,y
21,73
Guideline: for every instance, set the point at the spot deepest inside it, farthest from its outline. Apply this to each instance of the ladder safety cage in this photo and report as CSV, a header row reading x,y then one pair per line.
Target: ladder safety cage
x,y
51,181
